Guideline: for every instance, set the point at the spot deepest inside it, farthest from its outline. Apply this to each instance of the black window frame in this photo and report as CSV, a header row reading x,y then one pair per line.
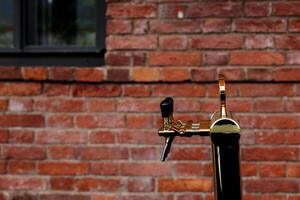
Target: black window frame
x,y
26,55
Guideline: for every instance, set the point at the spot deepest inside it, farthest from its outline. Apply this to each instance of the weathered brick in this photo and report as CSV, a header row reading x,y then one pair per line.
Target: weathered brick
x,y
64,197
61,183
146,74
63,168
293,170
89,74
216,25
94,184
215,58
260,25
140,26
270,137
286,8
10,72
101,105
145,169
271,186
141,185
104,168
119,26
187,90
4,136
140,121
233,74
22,183
259,42
59,105
60,121
175,74
102,137
61,137
287,74
21,136
261,74
269,105
287,42
62,152
61,73
270,154
144,153
129,10
100,121
118,75
106,90
103,153
214,9
175,58
131,42
20,167
35,73
256,58
19,89
294,25
176,26
173,42
257,9
216,42
55,89
140,137
20,105
209,74
136,90
184,184
117,59
272,170
21,120
29,152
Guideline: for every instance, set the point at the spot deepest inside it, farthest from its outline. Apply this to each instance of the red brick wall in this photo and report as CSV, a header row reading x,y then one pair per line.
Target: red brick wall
x,y
91,133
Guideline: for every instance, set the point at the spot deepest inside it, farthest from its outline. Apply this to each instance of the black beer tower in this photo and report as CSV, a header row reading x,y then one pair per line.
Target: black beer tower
x,y
224,133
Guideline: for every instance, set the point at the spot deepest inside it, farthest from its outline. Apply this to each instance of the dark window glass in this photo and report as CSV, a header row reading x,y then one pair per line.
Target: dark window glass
x,y
6,24
61,23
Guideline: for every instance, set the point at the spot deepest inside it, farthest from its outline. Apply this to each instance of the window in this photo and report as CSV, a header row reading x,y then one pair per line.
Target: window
x,y
52,32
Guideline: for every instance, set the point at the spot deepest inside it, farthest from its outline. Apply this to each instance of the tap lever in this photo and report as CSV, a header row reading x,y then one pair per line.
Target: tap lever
x,y
167,147
166,107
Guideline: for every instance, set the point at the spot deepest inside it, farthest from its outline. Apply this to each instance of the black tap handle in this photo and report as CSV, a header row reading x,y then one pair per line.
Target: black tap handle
x,y
166,107
167,148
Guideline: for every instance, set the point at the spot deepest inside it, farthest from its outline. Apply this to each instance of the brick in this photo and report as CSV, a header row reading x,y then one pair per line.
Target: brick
x,y
104,185
145,169
103,90
272,196
29,152
103,153
61,183
233,74
293,170
146,74
294,25
140,121
119,26
104,168
174,58
175,74
63,168
293,137
293,58
146,197
260,25
188,169
3,104
138,59
141,185
23,196
22,183
189,197
215,58
255,90
102,137
10,73
20,167
101,105
20,105
59,105
249,169
136,90
140,27
268,137
182,90
271,186
240,105
272,170
274,121
61,73
100,121
261,74
216,25
131,42
60,121
129,10
138,105
287,74
140,137
61,137
184,184
21,136
56,89
118,75
104,197
294,197
170,10
89,74
256,58
176,26
259,42
286,9
216,42
190,153
187,105
214,9
270,154
172,42
3,168
19,89
269,105
64,197
144,153
287,42
204,74
256,9
62,152
117,59
34,73
4,136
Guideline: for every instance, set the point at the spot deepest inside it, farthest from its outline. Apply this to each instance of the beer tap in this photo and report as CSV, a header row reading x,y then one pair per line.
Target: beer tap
x,y
224,132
